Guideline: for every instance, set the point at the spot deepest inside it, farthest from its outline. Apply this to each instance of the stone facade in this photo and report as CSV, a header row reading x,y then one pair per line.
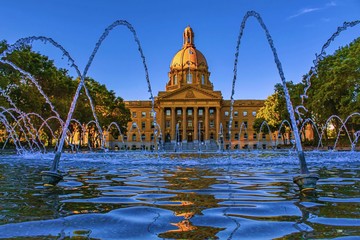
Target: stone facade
x,y
190,112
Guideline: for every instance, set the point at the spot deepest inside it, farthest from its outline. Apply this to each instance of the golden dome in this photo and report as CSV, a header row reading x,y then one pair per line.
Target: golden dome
x,y
188,56
188,66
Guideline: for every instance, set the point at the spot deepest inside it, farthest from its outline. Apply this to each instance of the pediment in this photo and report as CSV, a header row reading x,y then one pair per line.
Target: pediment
x,y
191,92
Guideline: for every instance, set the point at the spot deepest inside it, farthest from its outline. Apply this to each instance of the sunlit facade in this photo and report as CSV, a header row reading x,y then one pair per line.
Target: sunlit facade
x,y
190,112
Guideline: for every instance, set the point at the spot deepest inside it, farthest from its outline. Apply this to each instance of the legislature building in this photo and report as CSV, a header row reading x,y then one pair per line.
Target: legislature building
x,y
190,113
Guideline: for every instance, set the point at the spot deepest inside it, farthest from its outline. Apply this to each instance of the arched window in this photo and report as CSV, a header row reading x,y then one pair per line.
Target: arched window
x,y
189,78
143,137
175,79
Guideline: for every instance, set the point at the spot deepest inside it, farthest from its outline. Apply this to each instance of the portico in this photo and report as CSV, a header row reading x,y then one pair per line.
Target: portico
x,y
196,122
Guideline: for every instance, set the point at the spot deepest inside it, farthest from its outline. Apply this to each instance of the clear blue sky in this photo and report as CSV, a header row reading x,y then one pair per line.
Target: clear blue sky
x,y
299,30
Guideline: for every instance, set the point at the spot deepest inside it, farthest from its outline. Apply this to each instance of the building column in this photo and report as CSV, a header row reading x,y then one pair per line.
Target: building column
x,y
217,123
162,121
184,124
173,124
196,137
206,124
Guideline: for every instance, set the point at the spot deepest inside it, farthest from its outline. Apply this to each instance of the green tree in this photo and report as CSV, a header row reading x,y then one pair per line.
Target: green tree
x,y
27,97
60,88
335,90
269,113
275,109
108,107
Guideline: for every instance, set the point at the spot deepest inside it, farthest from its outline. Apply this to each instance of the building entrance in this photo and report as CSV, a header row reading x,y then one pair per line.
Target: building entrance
x,y
189,137
168,137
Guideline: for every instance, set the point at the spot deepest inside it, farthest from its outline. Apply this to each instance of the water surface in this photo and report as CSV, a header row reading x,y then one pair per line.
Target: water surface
x,y
242,195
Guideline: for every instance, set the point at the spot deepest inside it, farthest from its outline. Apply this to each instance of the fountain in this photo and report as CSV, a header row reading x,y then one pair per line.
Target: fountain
x,y
73,104
319,57
119,131
178,195
306,180
177,146
199,137
158,134
221,138
264,123
53,176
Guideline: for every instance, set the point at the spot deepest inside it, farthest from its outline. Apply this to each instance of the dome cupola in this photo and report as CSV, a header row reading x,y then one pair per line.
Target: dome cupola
x,y
188,66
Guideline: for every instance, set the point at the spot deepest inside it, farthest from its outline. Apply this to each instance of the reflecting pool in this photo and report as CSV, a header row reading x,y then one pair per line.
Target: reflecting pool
x,y
134,195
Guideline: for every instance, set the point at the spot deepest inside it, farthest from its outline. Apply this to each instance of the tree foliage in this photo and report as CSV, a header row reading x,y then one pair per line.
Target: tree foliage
x,y
269,113
335,90
60,89
275,109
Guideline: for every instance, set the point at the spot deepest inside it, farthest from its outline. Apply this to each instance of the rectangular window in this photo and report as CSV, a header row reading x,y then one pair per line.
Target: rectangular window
x,y
189,112
134,114
226,113
245,124
143,114
236,124
167,124
236,113
201,112
227,136
142,125
168,112
212,123
178,112
245,113
211,111
254,114
190,123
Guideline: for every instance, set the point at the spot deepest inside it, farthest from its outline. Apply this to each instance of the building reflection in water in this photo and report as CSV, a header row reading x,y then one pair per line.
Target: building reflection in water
x,y
189,201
